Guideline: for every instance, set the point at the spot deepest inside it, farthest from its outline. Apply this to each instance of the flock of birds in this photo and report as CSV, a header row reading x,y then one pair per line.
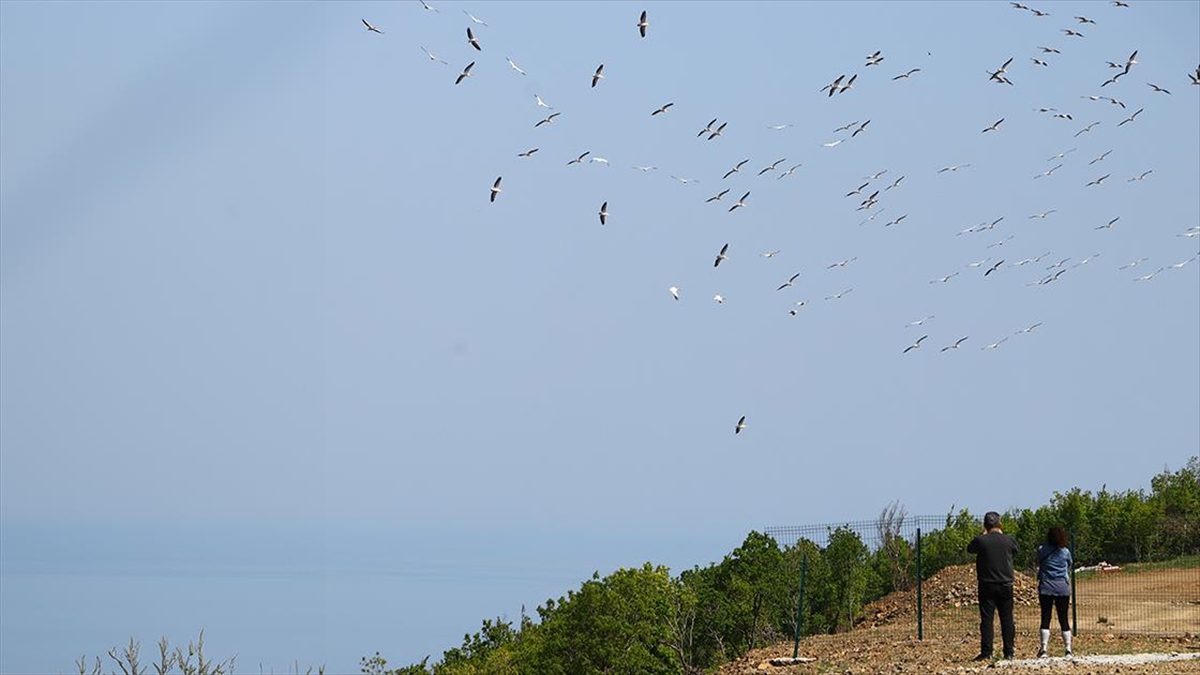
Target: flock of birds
x,y
872,191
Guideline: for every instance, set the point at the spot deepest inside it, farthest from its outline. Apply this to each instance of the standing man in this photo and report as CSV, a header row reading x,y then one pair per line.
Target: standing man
x,y
994,571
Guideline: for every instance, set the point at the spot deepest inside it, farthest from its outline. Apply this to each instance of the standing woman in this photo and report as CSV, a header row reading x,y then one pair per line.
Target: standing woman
x,y
1054,585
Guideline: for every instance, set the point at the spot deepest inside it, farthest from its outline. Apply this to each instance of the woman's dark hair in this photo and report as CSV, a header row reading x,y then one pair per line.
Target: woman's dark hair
x,y
1056,536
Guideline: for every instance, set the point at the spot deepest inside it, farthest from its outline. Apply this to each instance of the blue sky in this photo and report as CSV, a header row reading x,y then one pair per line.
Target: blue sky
x,y
251,277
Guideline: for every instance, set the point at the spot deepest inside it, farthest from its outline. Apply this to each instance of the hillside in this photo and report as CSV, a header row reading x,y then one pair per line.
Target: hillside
x,y
883,641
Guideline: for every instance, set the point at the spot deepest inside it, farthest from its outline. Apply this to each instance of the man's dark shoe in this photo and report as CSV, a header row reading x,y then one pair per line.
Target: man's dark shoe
x,y
983,657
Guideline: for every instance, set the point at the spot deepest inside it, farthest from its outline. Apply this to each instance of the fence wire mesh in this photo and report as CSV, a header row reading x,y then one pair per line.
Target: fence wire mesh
x,y
880,574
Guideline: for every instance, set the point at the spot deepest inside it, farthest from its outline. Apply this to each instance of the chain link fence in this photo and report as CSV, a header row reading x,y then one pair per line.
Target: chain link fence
x,y
912,575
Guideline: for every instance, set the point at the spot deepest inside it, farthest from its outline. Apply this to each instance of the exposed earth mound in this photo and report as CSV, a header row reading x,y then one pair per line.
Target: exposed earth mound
x,y
952,587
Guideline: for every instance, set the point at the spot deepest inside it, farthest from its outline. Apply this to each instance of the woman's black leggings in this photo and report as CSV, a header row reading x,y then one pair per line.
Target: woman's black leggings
x,y
1060,603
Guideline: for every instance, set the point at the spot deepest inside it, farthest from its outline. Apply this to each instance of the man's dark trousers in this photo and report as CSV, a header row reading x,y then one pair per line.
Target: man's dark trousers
x,y
992,598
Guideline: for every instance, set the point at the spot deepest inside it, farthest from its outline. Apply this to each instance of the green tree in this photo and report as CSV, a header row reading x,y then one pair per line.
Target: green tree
x,y
850,576
618,624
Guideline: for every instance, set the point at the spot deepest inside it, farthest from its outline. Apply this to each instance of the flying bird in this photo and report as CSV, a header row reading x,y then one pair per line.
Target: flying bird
x,y
719,299
604,213
1141,176
740,202
527,153
579,159
473,19
1133,263
598,75
915,345
515,67
540,103
1100,158
717,197
643,24
496,188
717,132
473,40
1070,33
791,280
737,167
789,172
860,129
1131,117
953,168
433,57
995,267
721,256
548,120
957,342
906,75
769,254
875,59
994,127
371,28
995,344
428,7
998,74
661,110
1085,129
674,291
1157,88
838,296
1084,19
741,424
465,73
1049,171
918,322
1098,180
772,167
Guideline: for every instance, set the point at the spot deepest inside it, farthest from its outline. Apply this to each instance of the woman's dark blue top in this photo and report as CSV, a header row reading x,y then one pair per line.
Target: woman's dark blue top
x,y
1054,570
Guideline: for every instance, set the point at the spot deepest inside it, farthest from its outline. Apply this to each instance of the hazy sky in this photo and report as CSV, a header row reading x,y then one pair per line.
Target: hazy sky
x,y
250,273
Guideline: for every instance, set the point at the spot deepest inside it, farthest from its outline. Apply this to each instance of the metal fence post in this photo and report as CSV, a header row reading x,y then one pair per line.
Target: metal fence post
x,y
1074,602
920,608
800,605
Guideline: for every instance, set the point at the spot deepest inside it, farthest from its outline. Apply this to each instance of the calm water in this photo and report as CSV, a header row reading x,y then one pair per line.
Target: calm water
x,y
277,598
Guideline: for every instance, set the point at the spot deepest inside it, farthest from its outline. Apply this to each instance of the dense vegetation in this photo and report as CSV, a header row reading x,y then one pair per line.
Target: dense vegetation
x,y
645,620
